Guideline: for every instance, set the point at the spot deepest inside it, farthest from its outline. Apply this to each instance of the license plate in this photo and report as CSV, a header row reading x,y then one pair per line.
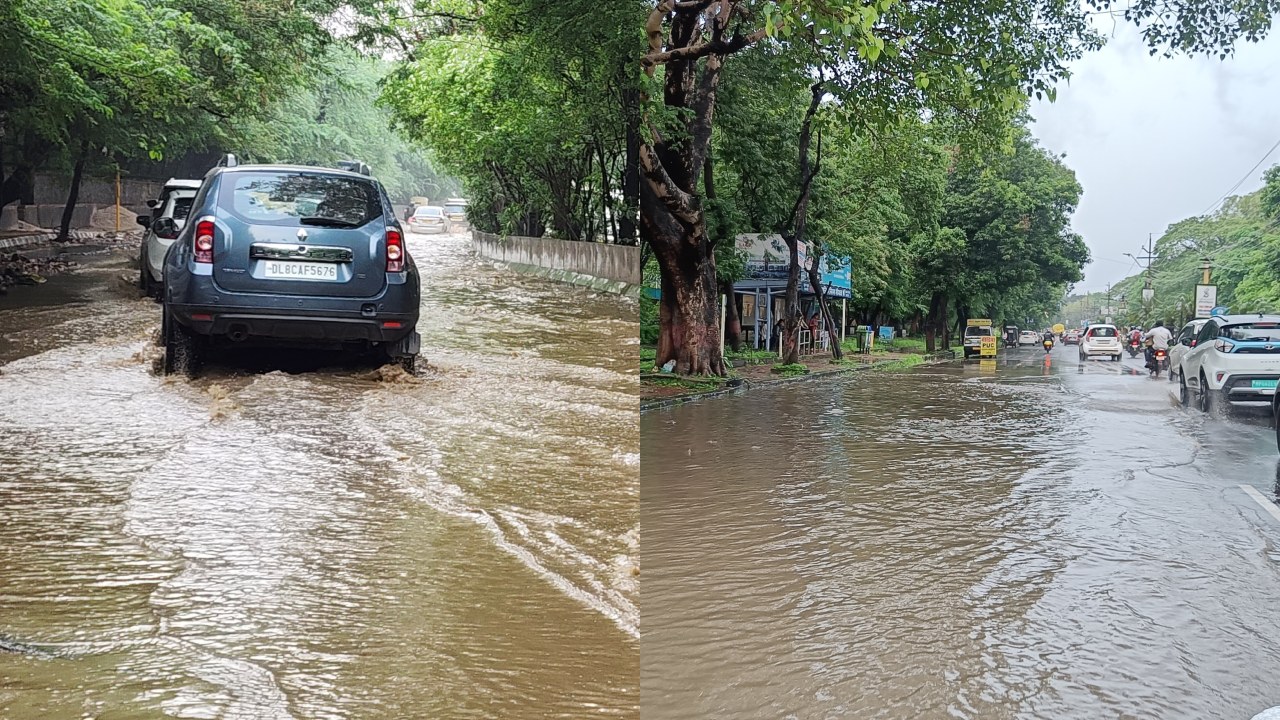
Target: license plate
x,y
1264,384
285,270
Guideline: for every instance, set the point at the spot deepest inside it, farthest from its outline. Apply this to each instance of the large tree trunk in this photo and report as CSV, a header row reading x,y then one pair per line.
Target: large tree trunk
x,y
672,218
688,313
64,230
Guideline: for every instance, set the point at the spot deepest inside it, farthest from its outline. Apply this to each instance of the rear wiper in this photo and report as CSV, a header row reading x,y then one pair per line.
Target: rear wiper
x,y
328,222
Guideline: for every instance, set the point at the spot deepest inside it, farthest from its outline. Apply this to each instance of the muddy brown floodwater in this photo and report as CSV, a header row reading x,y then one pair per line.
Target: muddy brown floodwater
x,y
334,543
1021,540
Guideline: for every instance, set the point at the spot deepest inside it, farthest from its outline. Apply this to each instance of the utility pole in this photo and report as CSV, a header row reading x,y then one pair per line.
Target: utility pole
x,y
1206,267
1148,258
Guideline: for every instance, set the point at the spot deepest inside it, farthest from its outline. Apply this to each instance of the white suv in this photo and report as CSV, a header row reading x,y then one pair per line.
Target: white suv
x,y
1100,340
1235,360
168,215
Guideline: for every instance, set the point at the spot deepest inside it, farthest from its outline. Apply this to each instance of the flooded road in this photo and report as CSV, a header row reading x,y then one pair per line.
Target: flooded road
x,y
337,543
1018,541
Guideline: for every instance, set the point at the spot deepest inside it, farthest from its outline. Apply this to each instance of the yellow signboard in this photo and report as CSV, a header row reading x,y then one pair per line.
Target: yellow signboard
x,y
979,323
988,348
1059,329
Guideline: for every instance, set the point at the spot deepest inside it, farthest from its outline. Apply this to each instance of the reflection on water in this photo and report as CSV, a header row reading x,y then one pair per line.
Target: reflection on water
x,y
949,543
332,544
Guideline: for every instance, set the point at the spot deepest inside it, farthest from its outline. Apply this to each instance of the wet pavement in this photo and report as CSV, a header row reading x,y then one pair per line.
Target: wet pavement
x,y
303,537
1008,539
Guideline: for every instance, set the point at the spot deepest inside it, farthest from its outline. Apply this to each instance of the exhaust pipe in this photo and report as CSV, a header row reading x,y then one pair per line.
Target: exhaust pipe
x,y
238,333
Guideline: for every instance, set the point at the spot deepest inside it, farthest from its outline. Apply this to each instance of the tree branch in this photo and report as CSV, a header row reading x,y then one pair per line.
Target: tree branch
x,y
699,50
679,203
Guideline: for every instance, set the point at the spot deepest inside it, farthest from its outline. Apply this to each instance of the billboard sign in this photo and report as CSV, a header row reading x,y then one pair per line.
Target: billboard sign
x,y
767,259
1206,300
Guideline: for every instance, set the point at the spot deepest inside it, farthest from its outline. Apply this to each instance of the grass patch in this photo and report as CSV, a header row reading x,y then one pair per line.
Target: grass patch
x,y
905,363
695,384
753,357
791,370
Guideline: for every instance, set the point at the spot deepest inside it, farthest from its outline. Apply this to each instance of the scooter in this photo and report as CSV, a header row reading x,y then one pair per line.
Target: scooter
x,y
1133,348
1159,361
1048,344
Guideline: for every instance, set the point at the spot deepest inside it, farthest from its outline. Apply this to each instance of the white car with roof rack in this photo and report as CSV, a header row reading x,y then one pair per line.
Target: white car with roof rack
x,y
1235,360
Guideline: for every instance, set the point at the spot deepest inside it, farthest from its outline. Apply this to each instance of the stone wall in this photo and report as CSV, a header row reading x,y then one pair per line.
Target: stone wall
x,y
616,263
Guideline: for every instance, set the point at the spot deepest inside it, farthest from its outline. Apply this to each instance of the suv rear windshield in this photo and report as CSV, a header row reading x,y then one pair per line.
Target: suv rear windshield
x,y
975,331
279,198
182,207
455,209
1252,332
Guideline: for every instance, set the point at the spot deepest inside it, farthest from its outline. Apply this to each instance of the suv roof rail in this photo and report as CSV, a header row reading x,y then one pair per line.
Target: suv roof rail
x,y
354,166
228,160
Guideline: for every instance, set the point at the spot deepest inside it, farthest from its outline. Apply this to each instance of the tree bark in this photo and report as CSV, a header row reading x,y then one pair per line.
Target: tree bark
x,y
64,230
732,323
815,280
796,233
672,218
630,169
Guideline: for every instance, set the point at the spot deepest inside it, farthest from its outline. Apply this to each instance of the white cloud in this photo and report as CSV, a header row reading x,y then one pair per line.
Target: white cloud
x,y
1154,140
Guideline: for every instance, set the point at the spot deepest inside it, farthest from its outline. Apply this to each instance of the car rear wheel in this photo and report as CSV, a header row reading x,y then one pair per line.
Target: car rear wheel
x,y
1205,396
183,349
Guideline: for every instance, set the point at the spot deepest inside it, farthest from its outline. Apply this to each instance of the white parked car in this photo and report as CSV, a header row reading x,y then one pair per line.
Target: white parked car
x,y
1236,361
1103,340
1028,337
1182,344
168,215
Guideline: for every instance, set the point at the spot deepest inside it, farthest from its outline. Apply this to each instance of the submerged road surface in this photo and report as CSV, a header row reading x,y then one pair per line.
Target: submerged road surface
x,y
1009,540
341,542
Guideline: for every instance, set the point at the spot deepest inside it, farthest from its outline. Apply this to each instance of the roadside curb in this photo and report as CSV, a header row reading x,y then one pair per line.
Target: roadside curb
x,y
48,236
569,277
743,386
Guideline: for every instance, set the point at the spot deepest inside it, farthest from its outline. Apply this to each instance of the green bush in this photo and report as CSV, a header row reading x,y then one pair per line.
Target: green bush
x,y
790,370
648,320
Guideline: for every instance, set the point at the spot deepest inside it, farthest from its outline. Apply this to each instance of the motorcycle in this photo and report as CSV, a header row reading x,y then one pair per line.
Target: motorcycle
x,y
1133,347
1159,361
1048,344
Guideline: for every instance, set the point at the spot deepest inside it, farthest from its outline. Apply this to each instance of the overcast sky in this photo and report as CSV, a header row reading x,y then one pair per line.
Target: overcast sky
x,y
1155,140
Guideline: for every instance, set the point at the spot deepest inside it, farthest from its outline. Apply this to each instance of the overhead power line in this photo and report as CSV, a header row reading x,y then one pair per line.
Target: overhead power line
x,y
1240,182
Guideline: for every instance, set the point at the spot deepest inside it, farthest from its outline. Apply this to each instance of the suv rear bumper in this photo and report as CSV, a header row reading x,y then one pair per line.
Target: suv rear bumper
x,y
1239,390
208,310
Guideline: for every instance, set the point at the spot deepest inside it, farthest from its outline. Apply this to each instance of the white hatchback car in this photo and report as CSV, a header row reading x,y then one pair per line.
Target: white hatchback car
x,y
1235,360
1101,340
1029,337
168,215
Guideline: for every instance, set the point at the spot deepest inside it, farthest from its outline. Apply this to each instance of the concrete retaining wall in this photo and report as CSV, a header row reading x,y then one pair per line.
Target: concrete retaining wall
x,y
617,263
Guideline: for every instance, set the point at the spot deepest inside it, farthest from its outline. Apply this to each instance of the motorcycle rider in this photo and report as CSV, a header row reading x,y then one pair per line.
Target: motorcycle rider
x,y
1135,336
1158,338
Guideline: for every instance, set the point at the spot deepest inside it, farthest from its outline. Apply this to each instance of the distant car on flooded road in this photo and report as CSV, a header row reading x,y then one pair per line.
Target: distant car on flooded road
x,y
429,219
281,255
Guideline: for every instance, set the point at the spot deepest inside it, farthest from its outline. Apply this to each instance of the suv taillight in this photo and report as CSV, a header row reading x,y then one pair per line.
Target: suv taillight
x,y
395,251
203,242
